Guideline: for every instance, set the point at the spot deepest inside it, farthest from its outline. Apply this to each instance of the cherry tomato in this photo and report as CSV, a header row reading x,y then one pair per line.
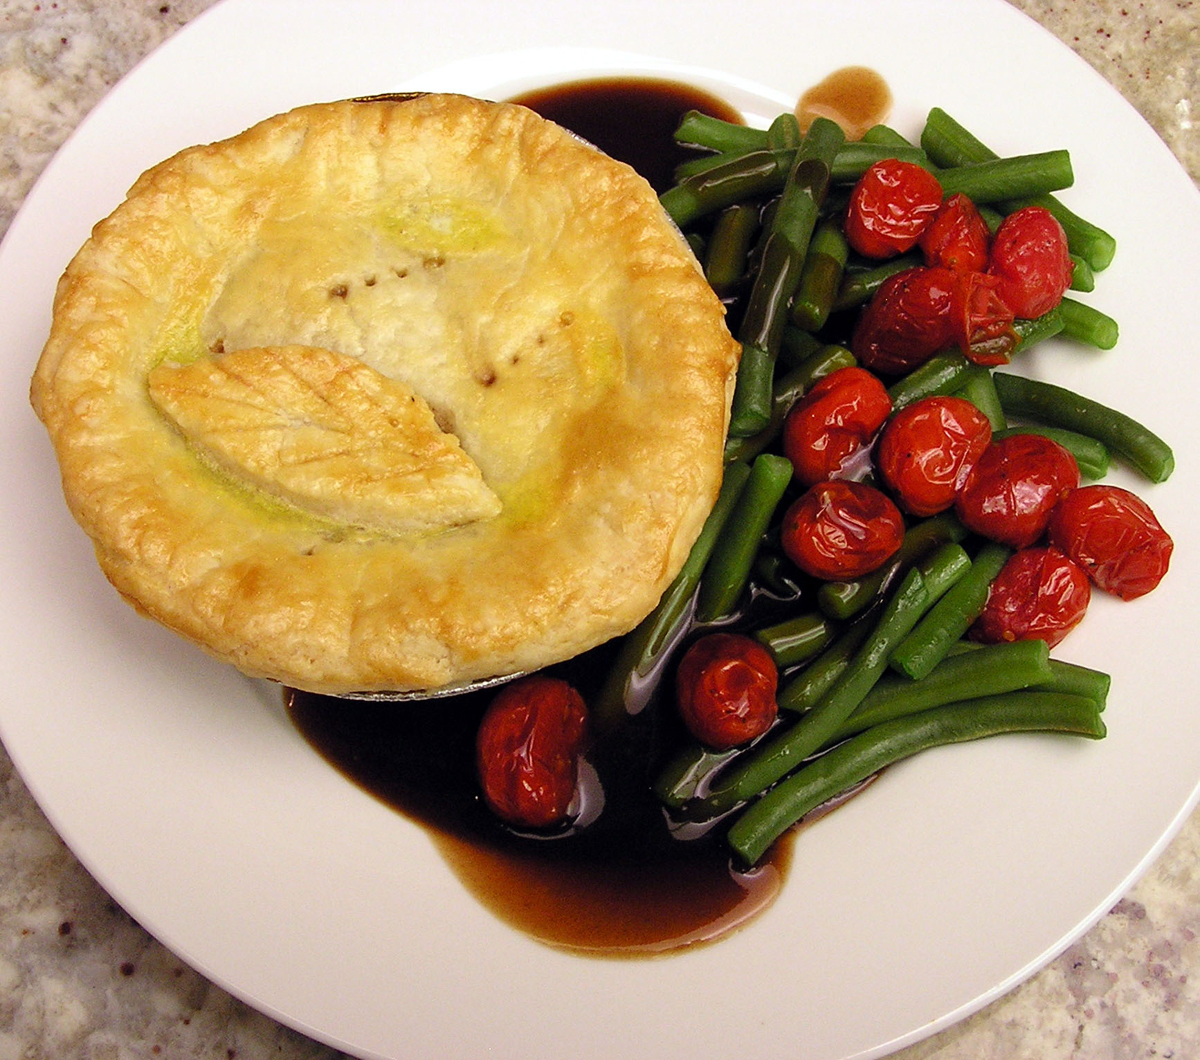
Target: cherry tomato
x,y
725,688
527,750
906,321
958,236
1039,594
836,419
1029,257
1016,482
981,321
890,206
927,449
1113,535
841,529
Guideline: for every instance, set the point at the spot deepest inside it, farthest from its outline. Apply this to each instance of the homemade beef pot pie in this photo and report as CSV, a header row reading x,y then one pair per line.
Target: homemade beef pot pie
x,y
389,394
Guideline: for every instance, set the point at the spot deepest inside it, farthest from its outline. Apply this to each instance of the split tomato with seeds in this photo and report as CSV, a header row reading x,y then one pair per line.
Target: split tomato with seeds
x,y
725,690
1012,489
1039,594
527,751
1115,537
835,421
841,529
890,206
927,450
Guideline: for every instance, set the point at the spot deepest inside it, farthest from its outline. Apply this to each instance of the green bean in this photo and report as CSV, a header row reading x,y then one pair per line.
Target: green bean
x,y
691,768
1039,329
1021,176
1091,455
697,129
798,345
642,648
728,568
858,286
729,246
941,374
788,389
784,132
773,759
1083,278
862,756
821,277
804,691
977,387
693,167
856,157
796,639
1056,406
784,252
1078,681
844,599
948,619
737,179
948,144
1088,325
993,669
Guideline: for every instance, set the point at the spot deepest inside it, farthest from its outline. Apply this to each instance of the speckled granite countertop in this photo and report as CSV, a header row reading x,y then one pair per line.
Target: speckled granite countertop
x,y
79,980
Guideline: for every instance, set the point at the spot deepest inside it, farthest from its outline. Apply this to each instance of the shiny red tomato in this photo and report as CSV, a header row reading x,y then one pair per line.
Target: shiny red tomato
x,y
1029,257
981,323
890,206
725,689
841,529
927,449
1016,482
837,419
1114,536
906,321
958,236
1039,594
527,750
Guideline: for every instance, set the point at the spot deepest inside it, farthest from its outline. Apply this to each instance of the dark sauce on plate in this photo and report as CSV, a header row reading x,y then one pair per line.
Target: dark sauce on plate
x,y
625,879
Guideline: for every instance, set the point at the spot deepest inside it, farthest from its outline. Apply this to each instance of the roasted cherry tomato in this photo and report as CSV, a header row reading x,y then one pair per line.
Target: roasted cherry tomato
x,y
958,236
1039,594
981,323
836,419
927,449
841,529
725,688
1029,257
906,321
527,750
1016,482
890,206
1113,535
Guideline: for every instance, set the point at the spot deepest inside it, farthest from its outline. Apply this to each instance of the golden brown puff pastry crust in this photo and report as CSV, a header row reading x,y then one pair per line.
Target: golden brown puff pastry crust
x,y
389,394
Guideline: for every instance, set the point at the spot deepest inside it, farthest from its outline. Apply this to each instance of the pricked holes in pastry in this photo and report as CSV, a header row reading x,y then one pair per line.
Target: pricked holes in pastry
x,y
339,290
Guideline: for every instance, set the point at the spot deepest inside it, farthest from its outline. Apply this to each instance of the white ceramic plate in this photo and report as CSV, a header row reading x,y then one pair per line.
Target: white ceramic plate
x,y
183,788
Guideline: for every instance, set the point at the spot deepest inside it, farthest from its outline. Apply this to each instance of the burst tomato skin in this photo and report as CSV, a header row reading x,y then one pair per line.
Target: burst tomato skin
x,y
1039,594
527,750
957,237
1012,489
927,450
841,529
890,206
981,323
834,421
725,690
1115,537
1030,259
906,321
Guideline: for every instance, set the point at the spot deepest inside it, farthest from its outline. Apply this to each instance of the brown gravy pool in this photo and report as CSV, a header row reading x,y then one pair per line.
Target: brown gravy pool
x,y
631,883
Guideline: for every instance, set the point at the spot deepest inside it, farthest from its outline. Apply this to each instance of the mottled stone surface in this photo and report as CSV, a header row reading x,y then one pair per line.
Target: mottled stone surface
x,y
80,980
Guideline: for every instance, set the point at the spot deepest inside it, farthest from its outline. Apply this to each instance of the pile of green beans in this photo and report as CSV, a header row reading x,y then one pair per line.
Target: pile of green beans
x,y
879,668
